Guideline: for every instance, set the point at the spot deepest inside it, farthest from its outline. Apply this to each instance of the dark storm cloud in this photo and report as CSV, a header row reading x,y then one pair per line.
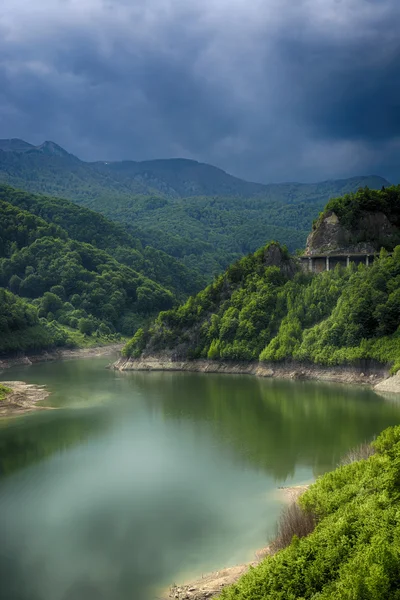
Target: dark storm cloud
x,y
269,90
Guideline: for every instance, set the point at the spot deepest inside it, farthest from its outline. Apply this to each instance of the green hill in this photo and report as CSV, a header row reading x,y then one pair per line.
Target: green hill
x,y
56,289
190,210
264,307
87,226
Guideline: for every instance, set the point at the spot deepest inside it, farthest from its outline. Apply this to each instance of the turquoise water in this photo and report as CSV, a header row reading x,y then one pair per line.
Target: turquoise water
x,y
138,480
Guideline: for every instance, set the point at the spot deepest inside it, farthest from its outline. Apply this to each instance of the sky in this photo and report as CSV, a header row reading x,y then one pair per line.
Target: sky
x,y
269,90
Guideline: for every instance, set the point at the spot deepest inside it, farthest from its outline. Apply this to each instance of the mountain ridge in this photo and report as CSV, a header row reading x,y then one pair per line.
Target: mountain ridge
x,y
192,211
20,146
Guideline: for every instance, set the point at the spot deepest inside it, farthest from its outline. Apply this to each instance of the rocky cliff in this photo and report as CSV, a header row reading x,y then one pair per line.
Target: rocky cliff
x,y
358,223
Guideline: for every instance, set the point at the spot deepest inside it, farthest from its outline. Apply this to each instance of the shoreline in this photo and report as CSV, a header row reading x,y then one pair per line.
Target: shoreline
x,y
23,398
374,376
60,354
210,585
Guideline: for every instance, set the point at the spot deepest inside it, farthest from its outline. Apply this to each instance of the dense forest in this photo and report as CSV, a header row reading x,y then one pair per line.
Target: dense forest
x,y
84,225
353,552
59,290
195,212
264,307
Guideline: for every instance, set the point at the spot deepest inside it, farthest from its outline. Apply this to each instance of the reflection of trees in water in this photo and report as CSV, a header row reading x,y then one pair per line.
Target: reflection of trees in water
x,y
30,439
273,424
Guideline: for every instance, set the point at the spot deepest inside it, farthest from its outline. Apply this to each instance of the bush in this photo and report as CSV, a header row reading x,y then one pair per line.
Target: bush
x,y
86,326
361,452
354,551
294,522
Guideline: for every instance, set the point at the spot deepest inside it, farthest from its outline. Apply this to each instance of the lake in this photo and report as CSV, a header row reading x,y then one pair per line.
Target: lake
x,y
140,480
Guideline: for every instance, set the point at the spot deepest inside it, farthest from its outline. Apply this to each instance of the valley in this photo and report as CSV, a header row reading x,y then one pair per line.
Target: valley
x,y
164,460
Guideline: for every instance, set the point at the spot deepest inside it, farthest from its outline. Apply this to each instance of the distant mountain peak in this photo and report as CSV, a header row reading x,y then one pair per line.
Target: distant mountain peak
x,y
48,147
15,145
52,148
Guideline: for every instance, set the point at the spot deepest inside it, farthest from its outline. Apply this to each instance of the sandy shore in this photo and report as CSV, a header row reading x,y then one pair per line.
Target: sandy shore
x,y
22,398
210,585
60,354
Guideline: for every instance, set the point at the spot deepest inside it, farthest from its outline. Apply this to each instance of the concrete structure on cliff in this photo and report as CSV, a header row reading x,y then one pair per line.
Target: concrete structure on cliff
x,y
332,243
316,263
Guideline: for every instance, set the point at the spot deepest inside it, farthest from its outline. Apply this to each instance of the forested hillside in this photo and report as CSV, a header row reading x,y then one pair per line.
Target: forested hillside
x,y
85,225
60,289
192,211
265,307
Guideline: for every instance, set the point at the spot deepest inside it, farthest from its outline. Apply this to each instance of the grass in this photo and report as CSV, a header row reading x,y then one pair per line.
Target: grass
x,y
4,391
81,340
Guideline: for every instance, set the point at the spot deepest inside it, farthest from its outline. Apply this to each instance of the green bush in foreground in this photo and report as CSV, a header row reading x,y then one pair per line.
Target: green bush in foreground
x,y
354,552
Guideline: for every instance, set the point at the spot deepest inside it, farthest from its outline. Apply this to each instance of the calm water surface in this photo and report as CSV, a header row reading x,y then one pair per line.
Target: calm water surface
x,y
142,479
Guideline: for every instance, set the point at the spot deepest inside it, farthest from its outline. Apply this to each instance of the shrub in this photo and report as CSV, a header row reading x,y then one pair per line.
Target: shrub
x,y
361,452
86,326
354,551
294,522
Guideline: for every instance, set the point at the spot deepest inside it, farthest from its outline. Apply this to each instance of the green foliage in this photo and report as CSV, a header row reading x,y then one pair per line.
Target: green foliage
x,y
349,208
84,225
4,391
91,281
22,330
234,317
86,326
192,211
68,283
136,345
354,552
274,313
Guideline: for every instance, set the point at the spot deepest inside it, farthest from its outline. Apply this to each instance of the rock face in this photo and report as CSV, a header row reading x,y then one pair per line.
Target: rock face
x,y
274,256
373,230
391,384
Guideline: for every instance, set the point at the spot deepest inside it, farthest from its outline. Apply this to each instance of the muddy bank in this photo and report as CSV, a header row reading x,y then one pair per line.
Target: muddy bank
x,y
60,354
22,398
369,376
211,585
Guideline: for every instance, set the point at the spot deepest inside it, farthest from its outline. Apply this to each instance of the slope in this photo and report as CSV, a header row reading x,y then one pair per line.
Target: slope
x,y
190,210
87,226
65,283
264,307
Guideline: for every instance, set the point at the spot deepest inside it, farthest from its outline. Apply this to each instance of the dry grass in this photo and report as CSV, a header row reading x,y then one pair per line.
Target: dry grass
x,y
294,521
361,452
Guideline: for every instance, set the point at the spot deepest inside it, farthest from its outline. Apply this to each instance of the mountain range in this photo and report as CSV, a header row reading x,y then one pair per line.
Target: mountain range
x,y
193,211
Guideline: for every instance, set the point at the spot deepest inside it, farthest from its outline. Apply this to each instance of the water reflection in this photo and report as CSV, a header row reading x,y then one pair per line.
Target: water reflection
x,y
275,425
139,478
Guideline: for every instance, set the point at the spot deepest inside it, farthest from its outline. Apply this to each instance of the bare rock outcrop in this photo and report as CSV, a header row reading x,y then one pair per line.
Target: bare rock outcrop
x,y
372,231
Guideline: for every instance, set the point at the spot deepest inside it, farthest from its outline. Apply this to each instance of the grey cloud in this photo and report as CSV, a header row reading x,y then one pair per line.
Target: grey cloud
x,y
267,90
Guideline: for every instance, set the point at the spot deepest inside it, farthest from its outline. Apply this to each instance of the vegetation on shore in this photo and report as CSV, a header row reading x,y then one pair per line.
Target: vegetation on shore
x,y
354,551
4,391
264,307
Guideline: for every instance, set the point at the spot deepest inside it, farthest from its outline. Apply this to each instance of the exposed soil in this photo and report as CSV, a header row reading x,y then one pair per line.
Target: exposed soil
x,y
23,398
